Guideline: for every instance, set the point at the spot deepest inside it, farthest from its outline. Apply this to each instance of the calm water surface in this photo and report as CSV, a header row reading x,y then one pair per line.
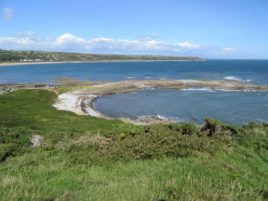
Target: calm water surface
x,y
248,70
188,105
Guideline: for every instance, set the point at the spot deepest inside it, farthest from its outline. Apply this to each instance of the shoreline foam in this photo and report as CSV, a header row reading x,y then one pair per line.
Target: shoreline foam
x,y
235,78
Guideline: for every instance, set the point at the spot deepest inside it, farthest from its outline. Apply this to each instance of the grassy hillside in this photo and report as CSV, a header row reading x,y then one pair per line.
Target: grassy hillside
x,y
38,56
84,158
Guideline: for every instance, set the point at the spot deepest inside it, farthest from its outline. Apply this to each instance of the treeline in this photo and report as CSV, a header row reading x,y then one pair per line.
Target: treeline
x,y
40,56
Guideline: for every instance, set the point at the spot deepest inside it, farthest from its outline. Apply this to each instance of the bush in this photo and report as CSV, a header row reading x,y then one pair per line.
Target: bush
x,y
215,127
184,128
6,150
13,141
19,136
156,142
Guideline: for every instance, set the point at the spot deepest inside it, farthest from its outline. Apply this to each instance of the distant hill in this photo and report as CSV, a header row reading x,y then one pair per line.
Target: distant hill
x,y
40,56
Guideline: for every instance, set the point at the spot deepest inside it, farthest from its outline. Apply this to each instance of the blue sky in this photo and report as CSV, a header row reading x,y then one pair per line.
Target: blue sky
x,y
206,28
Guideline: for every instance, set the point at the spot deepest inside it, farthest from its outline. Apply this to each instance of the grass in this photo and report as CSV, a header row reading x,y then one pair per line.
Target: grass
x,y
84,158
45,176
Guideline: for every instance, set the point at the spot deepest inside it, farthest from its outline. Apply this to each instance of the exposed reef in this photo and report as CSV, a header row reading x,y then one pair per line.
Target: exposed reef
x,y
81,101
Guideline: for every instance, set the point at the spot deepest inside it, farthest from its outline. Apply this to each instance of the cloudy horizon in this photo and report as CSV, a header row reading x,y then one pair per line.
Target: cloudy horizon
x,y
68,42
137,28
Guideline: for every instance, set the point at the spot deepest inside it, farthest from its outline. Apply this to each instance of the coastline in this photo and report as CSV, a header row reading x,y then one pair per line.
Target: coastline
x,y
84,105
103,61
26,63
81,101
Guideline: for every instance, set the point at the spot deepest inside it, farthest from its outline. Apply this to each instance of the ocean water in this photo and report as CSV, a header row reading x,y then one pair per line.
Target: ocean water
x,y
191,105
255,71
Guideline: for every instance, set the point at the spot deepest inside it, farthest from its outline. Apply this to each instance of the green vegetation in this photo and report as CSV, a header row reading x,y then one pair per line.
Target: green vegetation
x,y
39,56
84,158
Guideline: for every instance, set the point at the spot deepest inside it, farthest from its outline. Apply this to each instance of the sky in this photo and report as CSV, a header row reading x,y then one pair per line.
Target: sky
x,y
231,29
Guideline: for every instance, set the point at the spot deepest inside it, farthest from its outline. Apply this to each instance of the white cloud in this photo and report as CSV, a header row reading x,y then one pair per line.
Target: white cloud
x,y
228,50
69,38
71,43
102,40
187,45
8,13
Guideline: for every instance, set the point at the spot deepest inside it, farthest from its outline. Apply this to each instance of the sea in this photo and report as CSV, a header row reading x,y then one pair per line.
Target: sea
x,y
191,105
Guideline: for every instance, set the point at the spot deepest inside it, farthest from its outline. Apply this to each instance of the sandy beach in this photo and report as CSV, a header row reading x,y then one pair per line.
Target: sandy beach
x,y
103,61
27,63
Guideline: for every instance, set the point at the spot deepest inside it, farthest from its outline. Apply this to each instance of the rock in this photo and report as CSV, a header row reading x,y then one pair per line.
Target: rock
x,y
36,140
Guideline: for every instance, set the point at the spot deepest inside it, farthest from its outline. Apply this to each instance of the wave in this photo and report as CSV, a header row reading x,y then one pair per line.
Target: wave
x,y
162,117
238,79
158,116
231,90
131,77
199,89
236,90
215,90
150,88
147,89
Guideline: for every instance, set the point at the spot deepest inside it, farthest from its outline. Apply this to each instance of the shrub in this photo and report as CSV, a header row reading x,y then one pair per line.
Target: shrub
x,y
6,150
184,128
156,142
215,127
13,141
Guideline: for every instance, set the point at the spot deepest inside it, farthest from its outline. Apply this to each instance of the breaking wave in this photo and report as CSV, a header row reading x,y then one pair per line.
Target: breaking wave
x,y
199,89
238,79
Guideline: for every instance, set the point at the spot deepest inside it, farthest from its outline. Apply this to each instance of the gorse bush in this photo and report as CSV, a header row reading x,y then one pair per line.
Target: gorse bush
x,y
215,127
184,128
158,141
13,141
6,150
155,142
